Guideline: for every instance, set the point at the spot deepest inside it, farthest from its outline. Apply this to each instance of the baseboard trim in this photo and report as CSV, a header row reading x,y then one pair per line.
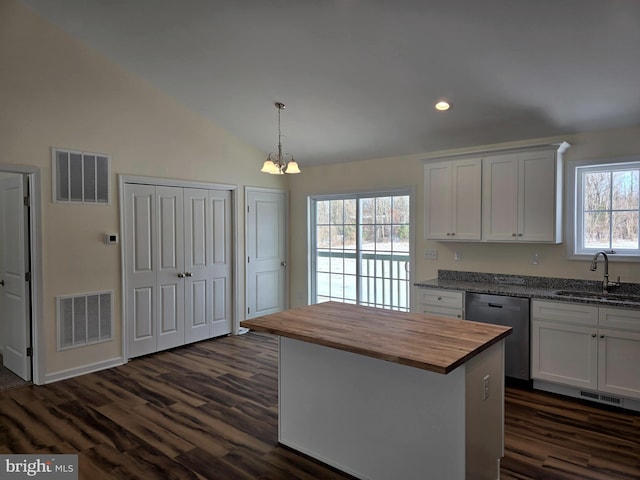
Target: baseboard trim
x,y
83,370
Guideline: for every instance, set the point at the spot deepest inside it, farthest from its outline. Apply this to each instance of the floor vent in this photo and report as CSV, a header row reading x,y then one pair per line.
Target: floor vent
x,y
602,398
610,399
84,319
589,395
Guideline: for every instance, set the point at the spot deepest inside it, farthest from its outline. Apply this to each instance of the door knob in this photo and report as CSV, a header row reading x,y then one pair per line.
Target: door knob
x,y
284,264
181,275
188,274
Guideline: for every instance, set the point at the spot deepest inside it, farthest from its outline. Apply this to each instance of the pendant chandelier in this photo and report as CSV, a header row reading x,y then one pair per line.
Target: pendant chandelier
x,y
280,163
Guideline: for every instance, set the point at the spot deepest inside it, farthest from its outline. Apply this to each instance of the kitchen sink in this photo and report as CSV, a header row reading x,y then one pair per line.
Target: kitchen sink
x,y
620,297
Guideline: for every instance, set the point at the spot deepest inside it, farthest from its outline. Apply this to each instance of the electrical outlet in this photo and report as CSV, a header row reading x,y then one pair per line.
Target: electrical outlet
x,y
535,258
431,254
485,387
457,256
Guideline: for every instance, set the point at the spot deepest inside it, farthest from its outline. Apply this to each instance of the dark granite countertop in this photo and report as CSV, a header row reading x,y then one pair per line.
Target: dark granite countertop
x,y
544,288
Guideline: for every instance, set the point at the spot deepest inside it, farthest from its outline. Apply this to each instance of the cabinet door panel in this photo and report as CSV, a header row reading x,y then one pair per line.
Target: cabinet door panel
x,y
618,362
537,199
437,180
466,209
500,198
565,354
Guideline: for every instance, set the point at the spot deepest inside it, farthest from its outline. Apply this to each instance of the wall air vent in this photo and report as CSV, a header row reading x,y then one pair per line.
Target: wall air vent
x,y
80,177
84,319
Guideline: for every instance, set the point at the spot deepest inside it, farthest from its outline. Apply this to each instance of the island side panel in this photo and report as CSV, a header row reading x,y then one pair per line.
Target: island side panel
x,y
485,413
371,418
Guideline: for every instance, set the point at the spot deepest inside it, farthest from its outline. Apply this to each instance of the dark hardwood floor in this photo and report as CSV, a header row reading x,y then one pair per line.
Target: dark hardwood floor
x,y
209,411
8,379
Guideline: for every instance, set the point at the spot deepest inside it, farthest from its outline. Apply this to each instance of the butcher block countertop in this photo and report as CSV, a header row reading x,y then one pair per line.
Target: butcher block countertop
x,y
428,342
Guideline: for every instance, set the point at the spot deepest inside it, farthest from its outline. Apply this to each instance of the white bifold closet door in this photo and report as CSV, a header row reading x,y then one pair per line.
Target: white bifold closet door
x,y
178,266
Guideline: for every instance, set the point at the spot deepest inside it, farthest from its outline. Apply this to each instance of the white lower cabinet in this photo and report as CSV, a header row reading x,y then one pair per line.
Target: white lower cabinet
x,y
619,362
564,353
442,303
586,346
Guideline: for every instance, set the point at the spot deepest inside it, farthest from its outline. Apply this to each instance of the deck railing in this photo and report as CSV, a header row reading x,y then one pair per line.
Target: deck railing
x,y
374,279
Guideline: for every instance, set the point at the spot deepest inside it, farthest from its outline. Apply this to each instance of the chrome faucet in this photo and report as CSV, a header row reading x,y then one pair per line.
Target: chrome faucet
x,y
606,284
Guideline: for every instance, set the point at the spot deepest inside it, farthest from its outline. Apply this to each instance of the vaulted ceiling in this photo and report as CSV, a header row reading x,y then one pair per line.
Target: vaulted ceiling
x,y
360,77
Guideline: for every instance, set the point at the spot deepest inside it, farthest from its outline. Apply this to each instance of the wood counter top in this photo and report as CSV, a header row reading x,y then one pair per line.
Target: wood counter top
x,y
431,343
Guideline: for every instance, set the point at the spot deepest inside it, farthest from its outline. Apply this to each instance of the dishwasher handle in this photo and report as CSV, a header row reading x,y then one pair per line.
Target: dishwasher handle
x,y
494,305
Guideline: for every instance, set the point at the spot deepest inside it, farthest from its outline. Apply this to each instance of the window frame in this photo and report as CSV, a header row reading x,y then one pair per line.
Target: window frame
x,y
312,240
574,206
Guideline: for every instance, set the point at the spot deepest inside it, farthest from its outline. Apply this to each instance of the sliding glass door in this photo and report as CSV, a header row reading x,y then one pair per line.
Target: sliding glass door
x,y
361,249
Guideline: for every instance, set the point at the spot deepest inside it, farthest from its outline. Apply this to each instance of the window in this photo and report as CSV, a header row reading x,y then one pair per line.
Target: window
x,y
607,212
361,249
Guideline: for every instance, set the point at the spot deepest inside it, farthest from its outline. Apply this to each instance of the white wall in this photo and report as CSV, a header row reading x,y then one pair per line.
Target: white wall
x,y
404,171
54,91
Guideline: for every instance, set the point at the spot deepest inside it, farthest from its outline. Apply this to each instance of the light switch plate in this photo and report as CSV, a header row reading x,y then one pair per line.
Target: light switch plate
x,y
431,254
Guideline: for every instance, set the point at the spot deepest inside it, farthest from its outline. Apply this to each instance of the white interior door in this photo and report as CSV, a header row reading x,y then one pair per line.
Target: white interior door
x,y
154,259
197,288
139,247
170,267
266,234
14,289
220,262
208,263
179,265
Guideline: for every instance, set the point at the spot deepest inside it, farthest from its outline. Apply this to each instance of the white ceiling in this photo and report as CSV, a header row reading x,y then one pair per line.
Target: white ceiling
x,y
360,77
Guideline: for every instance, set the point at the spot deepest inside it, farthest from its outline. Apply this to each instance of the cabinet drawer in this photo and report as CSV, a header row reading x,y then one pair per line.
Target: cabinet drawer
x,y
564,312
620,318
441,311
441,298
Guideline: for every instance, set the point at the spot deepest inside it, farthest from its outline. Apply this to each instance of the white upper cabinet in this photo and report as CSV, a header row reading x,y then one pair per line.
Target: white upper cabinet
x,y
453,195
522,197
512,195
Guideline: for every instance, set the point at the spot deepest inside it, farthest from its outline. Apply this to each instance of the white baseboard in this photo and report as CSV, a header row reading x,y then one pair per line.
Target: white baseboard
x,y
90,368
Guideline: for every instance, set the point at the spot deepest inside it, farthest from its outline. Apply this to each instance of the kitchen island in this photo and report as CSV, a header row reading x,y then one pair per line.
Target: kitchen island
x,y
382,394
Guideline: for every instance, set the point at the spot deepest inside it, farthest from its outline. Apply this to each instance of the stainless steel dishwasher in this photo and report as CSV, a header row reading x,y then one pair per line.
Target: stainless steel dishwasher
x,y
511,312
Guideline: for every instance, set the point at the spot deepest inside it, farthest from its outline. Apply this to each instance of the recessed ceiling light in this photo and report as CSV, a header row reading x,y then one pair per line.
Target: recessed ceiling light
x,y
442,106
